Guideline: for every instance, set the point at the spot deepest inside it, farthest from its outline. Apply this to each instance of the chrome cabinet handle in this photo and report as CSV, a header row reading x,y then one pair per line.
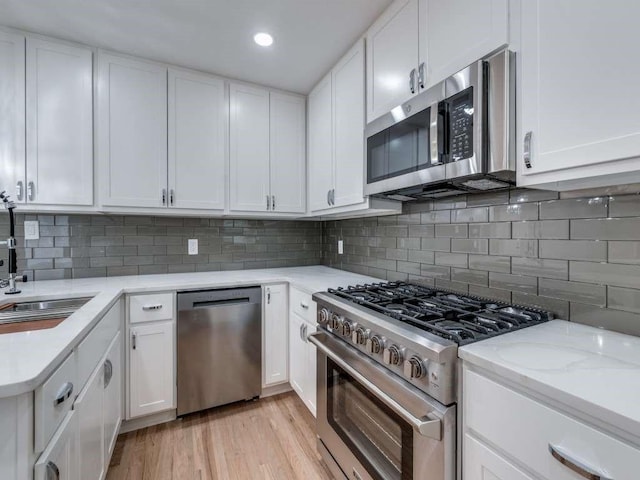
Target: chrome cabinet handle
x,y
333,196
421,76
63,394
328,197
31,191
273,202
268,202
164,196
432,427
133,340
19,186
171,195
108,372
304,305
52,471
148,308
578,467
412,81
301,332
527,149
304,334
268,296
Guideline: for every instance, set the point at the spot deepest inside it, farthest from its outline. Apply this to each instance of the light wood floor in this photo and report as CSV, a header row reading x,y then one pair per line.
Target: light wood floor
x,y
272,438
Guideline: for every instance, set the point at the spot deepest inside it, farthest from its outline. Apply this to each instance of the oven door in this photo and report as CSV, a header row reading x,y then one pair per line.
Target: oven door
x,y
376,426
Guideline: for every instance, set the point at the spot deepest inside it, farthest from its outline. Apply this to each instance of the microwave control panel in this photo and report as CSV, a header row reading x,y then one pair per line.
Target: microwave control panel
x,y
461,125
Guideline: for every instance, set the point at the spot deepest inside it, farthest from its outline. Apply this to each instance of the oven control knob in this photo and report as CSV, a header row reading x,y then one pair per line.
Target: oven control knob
x,y
347,327
323,316
414,368
359,336
336,322
375,344
392,355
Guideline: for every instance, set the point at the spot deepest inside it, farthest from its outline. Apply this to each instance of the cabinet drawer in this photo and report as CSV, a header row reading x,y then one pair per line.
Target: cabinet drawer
x,y
59,460
525,429
302,304
150,308
95,345
53,399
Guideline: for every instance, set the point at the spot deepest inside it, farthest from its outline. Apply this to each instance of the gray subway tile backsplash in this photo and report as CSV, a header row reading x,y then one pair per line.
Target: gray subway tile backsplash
x,y
578,256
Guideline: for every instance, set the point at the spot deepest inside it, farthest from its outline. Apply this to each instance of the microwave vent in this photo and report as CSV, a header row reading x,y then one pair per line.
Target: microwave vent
x,y
484,184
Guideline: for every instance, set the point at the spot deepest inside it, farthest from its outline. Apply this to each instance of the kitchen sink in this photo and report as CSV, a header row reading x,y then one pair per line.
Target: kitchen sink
x,y
28,316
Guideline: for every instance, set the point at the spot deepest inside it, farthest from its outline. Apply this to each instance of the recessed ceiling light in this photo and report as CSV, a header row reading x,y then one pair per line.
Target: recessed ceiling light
x,y
263,39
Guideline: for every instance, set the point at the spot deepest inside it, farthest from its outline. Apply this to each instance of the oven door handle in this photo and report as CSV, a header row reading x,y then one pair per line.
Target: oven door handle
x,y
431,428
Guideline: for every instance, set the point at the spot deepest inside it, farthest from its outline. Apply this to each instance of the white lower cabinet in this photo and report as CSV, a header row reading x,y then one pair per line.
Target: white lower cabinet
x,y
89,413
112,405
302,353
59,459
275,336
151,368
528,435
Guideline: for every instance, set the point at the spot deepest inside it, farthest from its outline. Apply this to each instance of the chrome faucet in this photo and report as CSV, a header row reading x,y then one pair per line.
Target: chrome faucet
x,y
11,245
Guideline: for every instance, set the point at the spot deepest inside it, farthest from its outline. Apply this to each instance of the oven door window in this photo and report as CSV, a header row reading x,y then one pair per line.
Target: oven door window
x,y
378,437
399,149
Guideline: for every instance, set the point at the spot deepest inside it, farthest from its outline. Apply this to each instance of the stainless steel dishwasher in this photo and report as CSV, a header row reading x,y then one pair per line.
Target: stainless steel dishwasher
x,y
219,347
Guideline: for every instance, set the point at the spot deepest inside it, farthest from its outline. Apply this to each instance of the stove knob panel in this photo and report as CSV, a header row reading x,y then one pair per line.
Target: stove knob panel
x,y
323,316
336,322
359,336
414,368
392,355
375,344
347,328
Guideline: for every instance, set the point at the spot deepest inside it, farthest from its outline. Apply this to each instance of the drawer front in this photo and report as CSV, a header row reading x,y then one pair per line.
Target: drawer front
x,y
53,399
525,429
151,308
95,345
302,304
59,460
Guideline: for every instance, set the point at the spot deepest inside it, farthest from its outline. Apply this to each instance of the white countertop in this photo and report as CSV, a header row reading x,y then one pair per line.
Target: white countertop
x,y
27,358
593,371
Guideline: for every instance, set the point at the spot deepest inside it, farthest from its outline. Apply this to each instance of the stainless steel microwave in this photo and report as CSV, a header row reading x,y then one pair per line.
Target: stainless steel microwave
x,y
457,136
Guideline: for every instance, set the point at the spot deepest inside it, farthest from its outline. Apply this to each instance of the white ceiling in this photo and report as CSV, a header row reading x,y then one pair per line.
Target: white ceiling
x,y
210,35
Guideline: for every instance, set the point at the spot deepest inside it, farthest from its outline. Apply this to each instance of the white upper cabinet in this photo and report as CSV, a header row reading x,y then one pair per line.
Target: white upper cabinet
x,y
59,109
267,151
320,150
12,115
460,32
287,153
197,141
132,132
348,128
392,58
578,99
249,148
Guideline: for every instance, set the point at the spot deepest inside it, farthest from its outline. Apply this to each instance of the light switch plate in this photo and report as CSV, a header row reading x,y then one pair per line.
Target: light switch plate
x,y
31,230
340,247
193,246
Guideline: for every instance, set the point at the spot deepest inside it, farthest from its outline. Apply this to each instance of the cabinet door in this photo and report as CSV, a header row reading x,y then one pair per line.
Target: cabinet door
x,y
59,124
460,32
287,153
249,149
298,357
132,132
197,141
151,368
578,89
89,411
311,374
392,53
276,325
59,460
482,463
320,147
112,411
348,127
12,115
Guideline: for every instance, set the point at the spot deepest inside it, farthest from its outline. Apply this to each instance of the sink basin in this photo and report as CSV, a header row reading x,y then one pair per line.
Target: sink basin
x,y
27,316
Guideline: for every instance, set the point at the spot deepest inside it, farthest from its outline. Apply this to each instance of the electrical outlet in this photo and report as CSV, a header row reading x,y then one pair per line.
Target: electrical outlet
x,y
31,230
193,246
340,247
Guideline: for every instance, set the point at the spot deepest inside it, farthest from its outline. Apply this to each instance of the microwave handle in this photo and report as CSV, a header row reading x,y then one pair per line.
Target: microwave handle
x,y
433,135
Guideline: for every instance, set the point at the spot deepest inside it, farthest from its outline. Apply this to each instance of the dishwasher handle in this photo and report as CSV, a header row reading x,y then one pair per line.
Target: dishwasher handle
x,y
219,298
220,303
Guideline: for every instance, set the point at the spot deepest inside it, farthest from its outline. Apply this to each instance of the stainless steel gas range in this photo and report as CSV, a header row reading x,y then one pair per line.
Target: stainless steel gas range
x,y
387,383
